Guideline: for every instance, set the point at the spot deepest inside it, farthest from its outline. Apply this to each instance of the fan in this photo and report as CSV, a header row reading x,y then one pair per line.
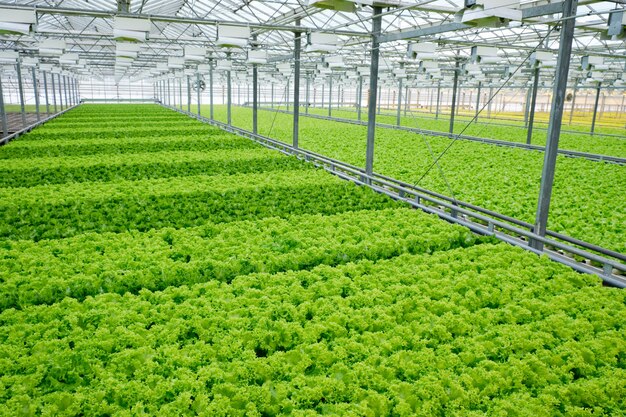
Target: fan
x,y
199,85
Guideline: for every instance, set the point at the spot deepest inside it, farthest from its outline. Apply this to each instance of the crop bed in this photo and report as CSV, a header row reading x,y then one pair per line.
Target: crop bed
x,y
198,274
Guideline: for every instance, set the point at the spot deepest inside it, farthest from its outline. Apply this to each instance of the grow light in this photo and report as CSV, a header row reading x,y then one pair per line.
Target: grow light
x,y
17,22
232,36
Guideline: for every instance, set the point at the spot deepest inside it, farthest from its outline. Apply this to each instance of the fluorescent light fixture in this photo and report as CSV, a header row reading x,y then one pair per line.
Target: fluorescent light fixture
x,y
8,57
257,57
131,29
322,42
68,59
194,53
175,62
17,22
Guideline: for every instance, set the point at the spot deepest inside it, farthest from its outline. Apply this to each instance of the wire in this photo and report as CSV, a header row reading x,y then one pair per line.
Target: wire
x,y
458,136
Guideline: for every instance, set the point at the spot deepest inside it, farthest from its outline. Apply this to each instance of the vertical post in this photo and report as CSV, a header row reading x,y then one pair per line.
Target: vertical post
x,y
571,113
54,92
438,100
595,108
399,109
556,117
255,93
287,94
296,86
272,95
188,94
407,98
211,90
67,101
308,88
533,104
36,91
527,106
454,90
180,93
480,85
21,90
489,102
371,108
380,96
198,91
169,93
228,95
359,99
330,95
3,114
45,89
323,91
60,92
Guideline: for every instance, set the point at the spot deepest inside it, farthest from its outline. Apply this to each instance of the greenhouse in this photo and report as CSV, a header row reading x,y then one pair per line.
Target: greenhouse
x,y
313,207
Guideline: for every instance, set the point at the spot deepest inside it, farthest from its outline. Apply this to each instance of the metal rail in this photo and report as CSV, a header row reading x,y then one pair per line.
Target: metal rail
x,y
28,128
565,152
485,222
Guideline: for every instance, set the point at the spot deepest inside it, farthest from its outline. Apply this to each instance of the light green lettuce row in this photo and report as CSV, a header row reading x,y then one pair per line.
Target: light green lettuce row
x,y
486,330
36,171
90,264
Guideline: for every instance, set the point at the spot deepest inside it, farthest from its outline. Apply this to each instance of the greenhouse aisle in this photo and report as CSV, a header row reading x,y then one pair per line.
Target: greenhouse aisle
x,y
154,265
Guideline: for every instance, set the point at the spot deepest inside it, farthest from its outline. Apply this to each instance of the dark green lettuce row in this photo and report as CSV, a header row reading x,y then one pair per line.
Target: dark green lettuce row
x,y
33,172
119,124
487,330
158,207
50,270
108,146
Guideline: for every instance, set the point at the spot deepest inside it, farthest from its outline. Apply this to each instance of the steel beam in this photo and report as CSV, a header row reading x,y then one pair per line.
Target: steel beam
x,y
308,88
330,95
371,108
188,94
211,91
571,113
228,99
20,86
438,100
359,99
45,89
36,91
67,101
455,86
556,118
480,84
296,87
533,105
595,108
198,91
399,109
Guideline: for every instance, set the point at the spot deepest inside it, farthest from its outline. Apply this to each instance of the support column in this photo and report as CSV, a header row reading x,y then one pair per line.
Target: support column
x,y
296,86
480,85
330,95
533,104
45,89
36,91
3,114
399,109
188,95
272,95
407,99
556,117
308,88
60,92
180,93
211,91
67,101
527,106
371,108
228,98
359,99
595,109
169,93
455,85
21,90
380,96
255,102
198,91
323,91
571,113
438,100
54,92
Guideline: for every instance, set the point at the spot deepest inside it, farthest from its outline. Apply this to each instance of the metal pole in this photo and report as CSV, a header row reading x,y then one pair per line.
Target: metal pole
x,y
272,95
480,84
3,114
454,89
556,117
228,97
54,92
45,89
67,101
198,91
533,104
371,108
308,88
571,113
438,100
255,103
188,95
287,94
380,95
527,106
36,91
399,109
296,87
330,95
595,109
323,91
169,93
180,93
21,90
407,99
60,91
359,98
211,91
